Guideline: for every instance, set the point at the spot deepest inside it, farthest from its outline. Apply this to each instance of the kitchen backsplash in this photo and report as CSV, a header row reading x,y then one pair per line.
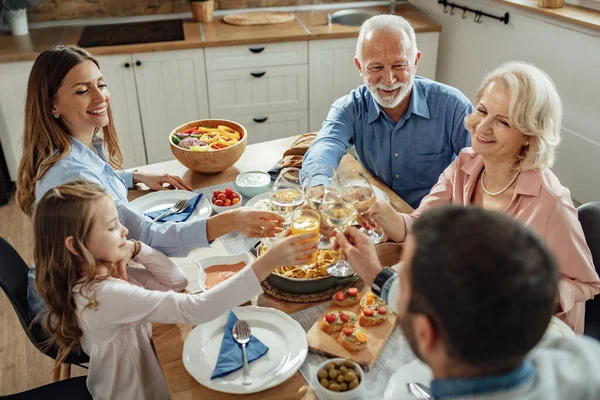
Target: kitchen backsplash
x,y
54,10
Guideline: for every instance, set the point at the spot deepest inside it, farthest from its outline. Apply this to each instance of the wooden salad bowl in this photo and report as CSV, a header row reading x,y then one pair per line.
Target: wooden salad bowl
x,y
209,162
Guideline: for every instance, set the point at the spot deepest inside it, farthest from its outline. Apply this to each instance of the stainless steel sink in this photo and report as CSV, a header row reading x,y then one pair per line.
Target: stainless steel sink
x,y
351,17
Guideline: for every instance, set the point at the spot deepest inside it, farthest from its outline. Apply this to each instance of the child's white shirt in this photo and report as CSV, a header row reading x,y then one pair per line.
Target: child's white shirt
x,y
117,333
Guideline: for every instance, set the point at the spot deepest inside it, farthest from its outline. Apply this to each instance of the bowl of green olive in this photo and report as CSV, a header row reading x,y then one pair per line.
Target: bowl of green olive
x,y
339,378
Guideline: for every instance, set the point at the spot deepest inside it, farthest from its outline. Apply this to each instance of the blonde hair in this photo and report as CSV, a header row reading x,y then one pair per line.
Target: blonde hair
x,y
66,210
535,109
393,24
46,139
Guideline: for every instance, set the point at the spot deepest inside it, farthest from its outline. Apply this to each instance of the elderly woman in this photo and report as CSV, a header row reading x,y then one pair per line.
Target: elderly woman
x,y
515,129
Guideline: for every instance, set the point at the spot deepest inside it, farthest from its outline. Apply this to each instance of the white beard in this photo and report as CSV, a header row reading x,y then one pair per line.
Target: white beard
x,y
390,101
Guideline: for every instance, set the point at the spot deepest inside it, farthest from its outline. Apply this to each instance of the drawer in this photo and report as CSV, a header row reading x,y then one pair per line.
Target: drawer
x,y
258,55
258,90
272,125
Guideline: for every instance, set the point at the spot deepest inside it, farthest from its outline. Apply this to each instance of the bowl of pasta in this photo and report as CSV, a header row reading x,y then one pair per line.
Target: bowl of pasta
x,y
313,278
208,145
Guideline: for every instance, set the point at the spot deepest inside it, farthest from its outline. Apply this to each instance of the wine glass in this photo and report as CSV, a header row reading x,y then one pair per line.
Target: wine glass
x,y
287,194
314,189
357,190
339,215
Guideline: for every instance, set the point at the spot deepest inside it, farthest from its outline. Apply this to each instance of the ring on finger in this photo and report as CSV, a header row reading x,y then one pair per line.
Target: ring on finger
x,y
262,230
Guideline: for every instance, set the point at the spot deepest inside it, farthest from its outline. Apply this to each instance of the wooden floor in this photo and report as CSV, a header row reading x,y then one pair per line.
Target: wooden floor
x,y
22,366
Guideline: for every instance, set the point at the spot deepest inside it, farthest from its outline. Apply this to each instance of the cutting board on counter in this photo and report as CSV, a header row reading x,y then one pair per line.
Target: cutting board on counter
x,y
326,344
259,18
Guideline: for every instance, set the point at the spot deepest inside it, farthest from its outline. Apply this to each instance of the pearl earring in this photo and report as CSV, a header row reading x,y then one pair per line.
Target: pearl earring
x,y
56,115
526,144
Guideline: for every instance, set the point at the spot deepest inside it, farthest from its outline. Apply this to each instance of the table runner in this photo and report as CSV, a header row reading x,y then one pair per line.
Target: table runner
x,y
394,354
234,242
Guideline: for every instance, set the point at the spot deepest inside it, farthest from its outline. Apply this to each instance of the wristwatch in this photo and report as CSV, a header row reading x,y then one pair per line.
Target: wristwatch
x,y
380,280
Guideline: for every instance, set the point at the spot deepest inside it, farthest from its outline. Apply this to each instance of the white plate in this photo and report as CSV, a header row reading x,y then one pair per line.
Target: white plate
x,y
414,371
287,350
166,198
207,262
380,194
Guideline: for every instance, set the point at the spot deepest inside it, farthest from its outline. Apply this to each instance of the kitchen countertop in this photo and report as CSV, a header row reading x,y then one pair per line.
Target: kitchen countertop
x,y
309,25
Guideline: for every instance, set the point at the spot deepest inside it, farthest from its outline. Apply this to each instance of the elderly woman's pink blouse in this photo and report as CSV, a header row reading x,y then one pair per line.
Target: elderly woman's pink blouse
x,y
541,203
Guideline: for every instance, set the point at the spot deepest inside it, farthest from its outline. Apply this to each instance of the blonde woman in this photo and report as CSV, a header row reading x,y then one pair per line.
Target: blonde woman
x,y
515,129
67,103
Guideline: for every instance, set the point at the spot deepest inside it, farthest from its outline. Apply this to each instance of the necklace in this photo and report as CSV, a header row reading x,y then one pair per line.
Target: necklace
x,y
505,187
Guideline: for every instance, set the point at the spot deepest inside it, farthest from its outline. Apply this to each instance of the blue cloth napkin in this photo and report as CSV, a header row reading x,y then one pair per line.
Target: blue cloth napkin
x,y
180,217
230,355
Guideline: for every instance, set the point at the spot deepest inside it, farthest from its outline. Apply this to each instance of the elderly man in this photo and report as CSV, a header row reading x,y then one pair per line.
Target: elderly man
x,y
406,129
476,295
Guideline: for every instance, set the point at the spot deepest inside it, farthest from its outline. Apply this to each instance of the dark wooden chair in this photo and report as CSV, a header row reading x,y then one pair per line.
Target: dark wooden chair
x,y
13,281
589,217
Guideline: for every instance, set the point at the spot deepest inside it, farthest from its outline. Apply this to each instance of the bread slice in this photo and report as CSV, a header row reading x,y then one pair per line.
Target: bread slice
x,y
338,322
292,161
371,316
301,145
346,297
353,339
370,299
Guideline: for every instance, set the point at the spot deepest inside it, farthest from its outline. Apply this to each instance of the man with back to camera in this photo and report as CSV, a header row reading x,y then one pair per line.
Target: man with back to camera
x,y
476,293
405,129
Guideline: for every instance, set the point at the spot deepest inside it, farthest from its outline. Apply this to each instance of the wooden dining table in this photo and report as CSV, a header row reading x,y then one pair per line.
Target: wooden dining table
x,y
169,338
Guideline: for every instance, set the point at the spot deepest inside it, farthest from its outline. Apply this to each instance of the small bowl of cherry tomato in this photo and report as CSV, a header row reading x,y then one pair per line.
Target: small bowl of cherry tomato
x,y
223,200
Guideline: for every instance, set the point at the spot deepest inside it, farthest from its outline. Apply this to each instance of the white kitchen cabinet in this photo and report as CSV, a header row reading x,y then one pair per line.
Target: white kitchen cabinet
x,y
256,55
333,73
13,91
120,80
171,87
256,90
274,125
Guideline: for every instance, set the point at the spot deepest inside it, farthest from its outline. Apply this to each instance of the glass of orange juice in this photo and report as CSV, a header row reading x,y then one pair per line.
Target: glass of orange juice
x,y
307,221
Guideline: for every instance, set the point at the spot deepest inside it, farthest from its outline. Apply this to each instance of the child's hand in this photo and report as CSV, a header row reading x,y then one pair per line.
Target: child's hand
x,y
121,265
285,252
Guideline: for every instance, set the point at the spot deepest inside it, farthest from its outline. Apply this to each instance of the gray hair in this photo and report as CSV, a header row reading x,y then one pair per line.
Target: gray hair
x,y
387,23
534,109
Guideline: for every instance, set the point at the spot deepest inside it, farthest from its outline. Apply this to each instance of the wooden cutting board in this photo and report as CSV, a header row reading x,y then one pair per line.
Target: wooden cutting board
x,y
259,18
326,344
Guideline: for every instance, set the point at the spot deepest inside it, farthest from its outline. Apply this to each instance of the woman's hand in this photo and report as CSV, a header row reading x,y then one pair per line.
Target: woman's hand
x,y
285,252
258,224
157,182
359,251
383,214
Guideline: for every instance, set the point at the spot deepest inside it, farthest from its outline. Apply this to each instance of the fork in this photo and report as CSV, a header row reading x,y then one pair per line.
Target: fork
x,y
419,390
241,334
175,209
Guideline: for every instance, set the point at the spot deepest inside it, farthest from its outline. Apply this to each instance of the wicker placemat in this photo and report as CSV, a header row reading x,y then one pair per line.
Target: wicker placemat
x,y
301,298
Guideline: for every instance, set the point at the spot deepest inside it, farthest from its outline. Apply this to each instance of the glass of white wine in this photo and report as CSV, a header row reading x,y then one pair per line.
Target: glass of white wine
x,y
286,193
339,215
314,189
357,190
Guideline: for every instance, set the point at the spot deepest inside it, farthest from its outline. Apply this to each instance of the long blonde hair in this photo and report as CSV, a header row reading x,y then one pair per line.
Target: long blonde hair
x,y
46,139
64,211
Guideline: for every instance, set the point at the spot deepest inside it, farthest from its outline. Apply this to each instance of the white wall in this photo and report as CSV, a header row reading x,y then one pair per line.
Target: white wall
x,y
569,54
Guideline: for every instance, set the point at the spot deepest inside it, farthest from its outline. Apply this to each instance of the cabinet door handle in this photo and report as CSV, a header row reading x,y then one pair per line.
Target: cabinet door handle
x,y
127,65
260,120
257,74
138,63
256,50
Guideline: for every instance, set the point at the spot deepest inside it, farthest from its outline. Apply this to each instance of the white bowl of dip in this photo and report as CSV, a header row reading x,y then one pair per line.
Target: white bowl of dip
x,y
252,183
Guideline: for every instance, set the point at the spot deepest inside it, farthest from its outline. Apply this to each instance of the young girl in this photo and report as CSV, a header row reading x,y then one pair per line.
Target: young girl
x,y
95,300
